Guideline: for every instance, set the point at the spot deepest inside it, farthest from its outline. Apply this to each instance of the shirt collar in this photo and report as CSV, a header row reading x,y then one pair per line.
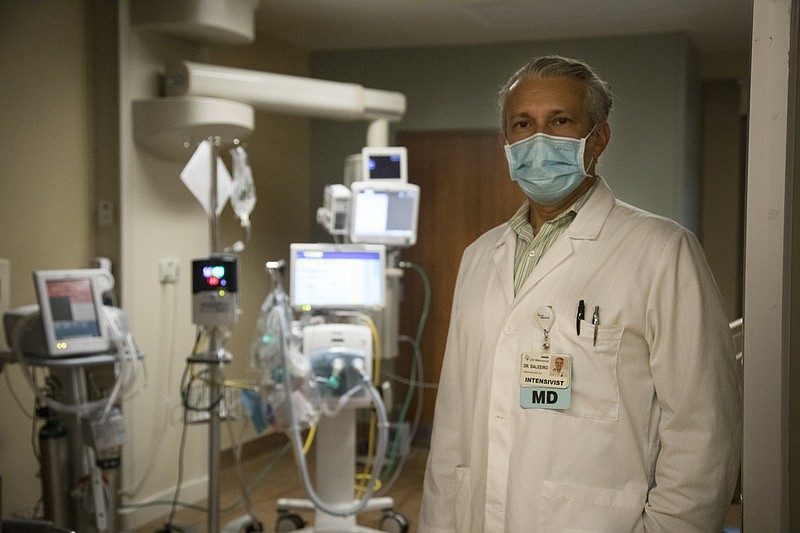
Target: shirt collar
x,y
520,221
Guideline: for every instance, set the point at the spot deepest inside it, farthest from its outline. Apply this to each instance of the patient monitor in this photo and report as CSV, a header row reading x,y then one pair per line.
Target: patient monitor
x,y
337,276
384,163
384,212
73,320
376,204
377,163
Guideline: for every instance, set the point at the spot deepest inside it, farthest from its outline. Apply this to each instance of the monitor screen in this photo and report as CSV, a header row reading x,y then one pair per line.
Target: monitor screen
x,y
214,274
71,308
384,213
384,163
337,276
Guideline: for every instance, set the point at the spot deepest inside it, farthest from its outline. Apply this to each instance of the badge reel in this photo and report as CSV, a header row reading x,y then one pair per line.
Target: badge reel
x,y
545,376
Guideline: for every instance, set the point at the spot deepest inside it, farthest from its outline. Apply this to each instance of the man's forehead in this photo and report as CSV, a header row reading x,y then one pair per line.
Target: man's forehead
x,y
552,91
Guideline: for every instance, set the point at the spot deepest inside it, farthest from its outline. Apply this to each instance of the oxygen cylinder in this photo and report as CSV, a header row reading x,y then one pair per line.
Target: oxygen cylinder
x,y
55,472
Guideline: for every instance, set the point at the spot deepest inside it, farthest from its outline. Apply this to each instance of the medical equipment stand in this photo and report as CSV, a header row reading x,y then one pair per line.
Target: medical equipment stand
x,y
83,457
336,447
336,450
214,357
214,347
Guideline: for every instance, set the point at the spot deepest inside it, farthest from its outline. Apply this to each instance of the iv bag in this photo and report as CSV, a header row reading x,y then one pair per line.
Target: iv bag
x,y
278,357
243,195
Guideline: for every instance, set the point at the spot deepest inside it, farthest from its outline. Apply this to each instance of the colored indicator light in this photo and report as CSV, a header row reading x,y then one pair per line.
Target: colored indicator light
x,y
213,281
222,293
213,271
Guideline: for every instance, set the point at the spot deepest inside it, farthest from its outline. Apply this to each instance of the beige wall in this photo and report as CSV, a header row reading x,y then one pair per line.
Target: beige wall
x,y
46,188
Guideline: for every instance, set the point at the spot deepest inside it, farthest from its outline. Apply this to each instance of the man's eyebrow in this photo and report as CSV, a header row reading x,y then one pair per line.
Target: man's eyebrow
x,y
550,113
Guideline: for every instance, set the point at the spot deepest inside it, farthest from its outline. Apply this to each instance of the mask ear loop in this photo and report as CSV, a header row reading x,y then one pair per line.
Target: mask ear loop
x,y
583,148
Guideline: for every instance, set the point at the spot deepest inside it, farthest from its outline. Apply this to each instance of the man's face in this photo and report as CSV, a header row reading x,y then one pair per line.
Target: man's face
x,y
555,106
559,363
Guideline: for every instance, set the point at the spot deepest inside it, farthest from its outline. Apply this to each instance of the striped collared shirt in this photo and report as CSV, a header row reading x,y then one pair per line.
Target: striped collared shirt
x,y
530,248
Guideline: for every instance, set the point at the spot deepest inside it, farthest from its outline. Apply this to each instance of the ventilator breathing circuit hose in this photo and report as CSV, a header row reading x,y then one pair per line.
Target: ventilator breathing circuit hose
x,y
297,440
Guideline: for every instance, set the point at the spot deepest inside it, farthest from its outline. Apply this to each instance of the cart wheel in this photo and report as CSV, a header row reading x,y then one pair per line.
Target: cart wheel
x,y
394,522
288,522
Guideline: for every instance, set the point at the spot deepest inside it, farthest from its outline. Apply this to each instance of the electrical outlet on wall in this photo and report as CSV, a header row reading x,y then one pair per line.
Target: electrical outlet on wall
x,y
105,213
168,268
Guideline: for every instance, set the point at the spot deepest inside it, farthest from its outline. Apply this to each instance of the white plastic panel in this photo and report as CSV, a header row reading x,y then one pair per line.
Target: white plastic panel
x,y
164,126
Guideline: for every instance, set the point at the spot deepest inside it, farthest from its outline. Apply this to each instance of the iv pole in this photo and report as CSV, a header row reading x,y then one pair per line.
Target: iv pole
x,y
214,346
214,357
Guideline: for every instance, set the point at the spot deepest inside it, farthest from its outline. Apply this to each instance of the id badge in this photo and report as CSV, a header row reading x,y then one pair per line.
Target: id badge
x,y
545,380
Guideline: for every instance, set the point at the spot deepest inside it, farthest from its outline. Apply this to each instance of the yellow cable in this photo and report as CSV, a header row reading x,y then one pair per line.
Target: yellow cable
x,y
237,384
363,478
309,439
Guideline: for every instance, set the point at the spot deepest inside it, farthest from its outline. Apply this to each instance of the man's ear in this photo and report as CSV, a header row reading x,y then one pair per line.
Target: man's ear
x,y
601,136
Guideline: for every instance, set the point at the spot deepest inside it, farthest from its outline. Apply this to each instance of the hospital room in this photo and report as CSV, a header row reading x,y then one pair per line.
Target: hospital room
x,y
447,266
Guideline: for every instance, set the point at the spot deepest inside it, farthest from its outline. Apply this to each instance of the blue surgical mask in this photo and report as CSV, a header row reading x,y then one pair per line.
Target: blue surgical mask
x,y
547,168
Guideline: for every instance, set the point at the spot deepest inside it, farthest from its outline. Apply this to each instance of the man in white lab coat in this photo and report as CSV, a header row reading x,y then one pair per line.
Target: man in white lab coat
x,y
644,433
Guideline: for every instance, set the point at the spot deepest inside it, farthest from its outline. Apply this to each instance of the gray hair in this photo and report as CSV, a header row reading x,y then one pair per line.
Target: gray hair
x,y
598,93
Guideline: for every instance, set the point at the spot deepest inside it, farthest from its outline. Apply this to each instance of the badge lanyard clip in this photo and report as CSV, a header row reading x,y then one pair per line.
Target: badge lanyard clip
x,y
545,317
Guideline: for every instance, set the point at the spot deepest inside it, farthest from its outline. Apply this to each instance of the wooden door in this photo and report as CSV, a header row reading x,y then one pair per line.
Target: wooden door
x,y
465,190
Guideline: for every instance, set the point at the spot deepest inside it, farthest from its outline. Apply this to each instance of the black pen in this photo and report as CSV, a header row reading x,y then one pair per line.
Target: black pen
x,y
581,311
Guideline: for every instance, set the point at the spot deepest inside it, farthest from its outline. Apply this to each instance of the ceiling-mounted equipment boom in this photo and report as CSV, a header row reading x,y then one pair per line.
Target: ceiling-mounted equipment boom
x,y
284,93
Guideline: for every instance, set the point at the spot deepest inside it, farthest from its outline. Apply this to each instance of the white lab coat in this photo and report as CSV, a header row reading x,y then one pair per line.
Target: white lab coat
x,y
651,441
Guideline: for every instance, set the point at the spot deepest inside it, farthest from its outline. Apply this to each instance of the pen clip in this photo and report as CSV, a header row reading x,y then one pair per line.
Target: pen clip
x,y
596,322
580,316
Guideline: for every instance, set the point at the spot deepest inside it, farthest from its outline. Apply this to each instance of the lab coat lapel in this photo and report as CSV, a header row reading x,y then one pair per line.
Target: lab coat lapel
x,y
503,258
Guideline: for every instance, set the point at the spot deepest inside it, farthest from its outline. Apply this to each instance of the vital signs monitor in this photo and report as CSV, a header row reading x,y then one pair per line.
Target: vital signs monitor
x,y
384,163
378,163
70,302
326,276
384,213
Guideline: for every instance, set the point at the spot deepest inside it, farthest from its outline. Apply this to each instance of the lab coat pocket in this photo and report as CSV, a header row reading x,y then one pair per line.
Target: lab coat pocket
x,y
595,389
463,507
564,507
